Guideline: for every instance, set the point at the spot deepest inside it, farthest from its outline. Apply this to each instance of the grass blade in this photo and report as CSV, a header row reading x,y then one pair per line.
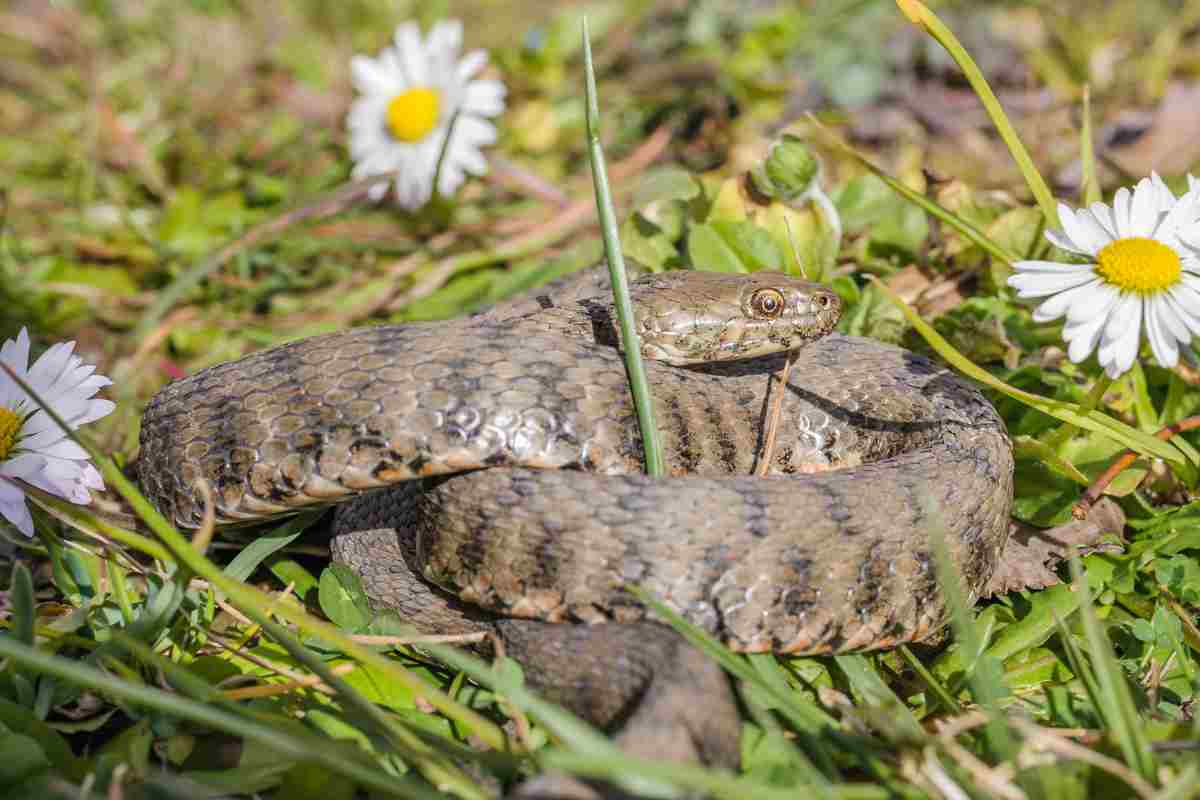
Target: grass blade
x,y
1090,188
986,683
434,765
933,209
888,709
585,740
1116,701
638,384
289,743
1093,420
920,15
804,716
939,691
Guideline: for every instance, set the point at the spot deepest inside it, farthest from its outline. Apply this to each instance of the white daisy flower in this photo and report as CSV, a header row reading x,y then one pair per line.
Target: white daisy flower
x,y
32,446
409,95
1142,273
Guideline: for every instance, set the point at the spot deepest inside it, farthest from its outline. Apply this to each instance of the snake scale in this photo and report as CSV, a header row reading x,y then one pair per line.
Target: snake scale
x,y
511,446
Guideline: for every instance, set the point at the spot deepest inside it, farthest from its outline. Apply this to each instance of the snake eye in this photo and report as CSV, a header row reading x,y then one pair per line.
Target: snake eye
x,y
767,303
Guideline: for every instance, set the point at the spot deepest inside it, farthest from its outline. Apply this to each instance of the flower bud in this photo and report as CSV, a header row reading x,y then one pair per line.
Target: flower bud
x,y
789,171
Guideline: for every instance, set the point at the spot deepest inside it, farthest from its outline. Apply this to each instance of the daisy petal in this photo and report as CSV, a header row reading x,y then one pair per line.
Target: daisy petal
x,y
1143,209
1083,230
1162,343
1063,242
1103,215
1098,301
1059,303
1040,285
1122,201
1083,336
1171,319
1119,342
13,508
471,63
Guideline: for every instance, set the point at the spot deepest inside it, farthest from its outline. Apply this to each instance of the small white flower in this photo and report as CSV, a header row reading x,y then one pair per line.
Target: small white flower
x,y
1143,272
408,97
32,446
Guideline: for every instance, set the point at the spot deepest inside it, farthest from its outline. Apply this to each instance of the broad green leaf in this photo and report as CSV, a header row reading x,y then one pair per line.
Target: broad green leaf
x,y
873,316
644,241
378,689
342,598
708,250
1035,667
665,183
1038,624
754,246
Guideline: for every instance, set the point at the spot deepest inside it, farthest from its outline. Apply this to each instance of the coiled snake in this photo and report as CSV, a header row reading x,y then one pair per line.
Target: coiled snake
x,y
530,503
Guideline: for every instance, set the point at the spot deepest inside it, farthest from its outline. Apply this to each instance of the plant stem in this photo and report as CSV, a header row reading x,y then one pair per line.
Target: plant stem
x,y
1057,438
920,15
630,342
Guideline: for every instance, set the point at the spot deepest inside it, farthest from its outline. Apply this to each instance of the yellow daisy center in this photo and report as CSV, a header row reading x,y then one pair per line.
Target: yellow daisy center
x,y
1138,264
10,426
412,114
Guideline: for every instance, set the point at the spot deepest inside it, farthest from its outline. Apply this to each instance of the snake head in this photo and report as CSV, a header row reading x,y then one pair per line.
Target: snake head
x,y
689,317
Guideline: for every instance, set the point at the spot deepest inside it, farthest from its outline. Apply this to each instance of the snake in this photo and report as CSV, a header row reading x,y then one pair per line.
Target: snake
x,y
488,473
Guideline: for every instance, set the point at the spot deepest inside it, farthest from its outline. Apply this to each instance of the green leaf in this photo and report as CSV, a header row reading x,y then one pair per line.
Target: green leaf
x,y
665,183
24,607
245,562
342,598
292,572
754,247
308,781
1042,497
873,316
1030,449
708,250
20,720
20,758
645,242
1038,624
460,292
887,711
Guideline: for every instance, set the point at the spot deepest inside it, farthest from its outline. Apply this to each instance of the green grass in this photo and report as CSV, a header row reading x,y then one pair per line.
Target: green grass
x,y
175,194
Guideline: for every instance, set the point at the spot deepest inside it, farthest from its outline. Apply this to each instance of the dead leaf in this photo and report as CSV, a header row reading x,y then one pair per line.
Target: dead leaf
x,y
1029,558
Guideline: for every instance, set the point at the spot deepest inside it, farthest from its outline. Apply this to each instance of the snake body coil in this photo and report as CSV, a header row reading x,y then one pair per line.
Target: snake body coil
x,y
537,508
